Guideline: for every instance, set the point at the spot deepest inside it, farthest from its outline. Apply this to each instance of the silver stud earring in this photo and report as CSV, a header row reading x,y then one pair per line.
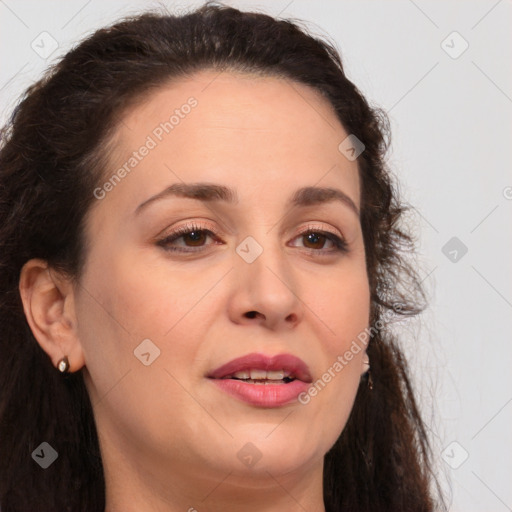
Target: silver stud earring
x,y
366,362
63,365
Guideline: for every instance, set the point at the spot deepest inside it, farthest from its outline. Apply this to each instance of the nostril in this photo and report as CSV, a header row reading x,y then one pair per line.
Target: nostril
x,y
251,314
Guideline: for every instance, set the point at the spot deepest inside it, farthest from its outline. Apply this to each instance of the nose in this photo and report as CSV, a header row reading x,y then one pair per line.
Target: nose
x,y
265,291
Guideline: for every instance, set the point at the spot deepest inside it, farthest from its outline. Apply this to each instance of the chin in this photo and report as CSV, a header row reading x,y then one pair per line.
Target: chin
x,y
276,456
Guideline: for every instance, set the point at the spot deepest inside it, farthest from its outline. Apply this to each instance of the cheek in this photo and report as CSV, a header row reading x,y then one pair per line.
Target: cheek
x,y
124,305
129,300
344,309
144,299
344,306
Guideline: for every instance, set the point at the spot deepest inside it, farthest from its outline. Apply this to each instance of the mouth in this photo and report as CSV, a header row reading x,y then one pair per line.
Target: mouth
x,y
263,380
260,369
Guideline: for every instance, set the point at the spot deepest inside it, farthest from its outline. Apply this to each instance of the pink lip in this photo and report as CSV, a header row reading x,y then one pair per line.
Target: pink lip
x,y
264,395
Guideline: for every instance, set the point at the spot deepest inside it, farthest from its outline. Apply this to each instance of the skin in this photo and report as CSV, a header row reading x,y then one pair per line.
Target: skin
x,y
169,437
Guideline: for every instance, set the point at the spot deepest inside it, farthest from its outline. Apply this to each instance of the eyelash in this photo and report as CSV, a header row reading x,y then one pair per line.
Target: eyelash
x,y
340,245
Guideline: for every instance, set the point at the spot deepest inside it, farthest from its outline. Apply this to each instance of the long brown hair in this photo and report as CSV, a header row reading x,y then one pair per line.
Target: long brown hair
x,y
53,154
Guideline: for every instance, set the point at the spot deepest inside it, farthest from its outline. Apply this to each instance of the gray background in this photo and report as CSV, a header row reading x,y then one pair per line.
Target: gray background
x,y
451,129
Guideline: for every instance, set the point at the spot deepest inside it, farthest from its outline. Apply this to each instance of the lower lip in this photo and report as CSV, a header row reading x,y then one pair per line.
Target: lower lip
x,y
263,395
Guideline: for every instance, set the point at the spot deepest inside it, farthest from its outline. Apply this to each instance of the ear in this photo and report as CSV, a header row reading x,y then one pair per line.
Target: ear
x,y
48,302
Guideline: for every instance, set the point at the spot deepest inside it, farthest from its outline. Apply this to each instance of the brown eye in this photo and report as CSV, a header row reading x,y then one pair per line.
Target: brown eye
x,y
316,239
195,237
189,236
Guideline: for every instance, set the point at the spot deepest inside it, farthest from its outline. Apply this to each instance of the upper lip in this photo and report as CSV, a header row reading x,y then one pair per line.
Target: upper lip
x,y
294,365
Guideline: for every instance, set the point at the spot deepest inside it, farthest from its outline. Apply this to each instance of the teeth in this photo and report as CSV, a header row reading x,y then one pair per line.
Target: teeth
x,y
255,374
258,374
275,375
242,375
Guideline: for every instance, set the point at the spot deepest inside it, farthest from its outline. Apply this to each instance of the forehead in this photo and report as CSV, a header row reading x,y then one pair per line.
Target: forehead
x,y
241,129
241,100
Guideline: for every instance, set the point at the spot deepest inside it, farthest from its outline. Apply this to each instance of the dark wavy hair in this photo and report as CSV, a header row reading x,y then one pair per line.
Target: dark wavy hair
x,y
54,152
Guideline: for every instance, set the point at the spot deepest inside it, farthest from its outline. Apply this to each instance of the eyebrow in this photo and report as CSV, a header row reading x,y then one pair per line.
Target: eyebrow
x,y
305,196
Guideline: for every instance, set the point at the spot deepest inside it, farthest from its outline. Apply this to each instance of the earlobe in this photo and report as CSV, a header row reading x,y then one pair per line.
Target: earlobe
x,y
48,303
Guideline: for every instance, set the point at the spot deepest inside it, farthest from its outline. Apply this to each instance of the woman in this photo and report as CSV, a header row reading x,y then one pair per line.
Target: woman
x,y
200,259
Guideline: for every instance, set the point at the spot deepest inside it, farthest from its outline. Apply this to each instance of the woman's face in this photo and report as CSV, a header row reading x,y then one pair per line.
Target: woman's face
x,y
158,313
